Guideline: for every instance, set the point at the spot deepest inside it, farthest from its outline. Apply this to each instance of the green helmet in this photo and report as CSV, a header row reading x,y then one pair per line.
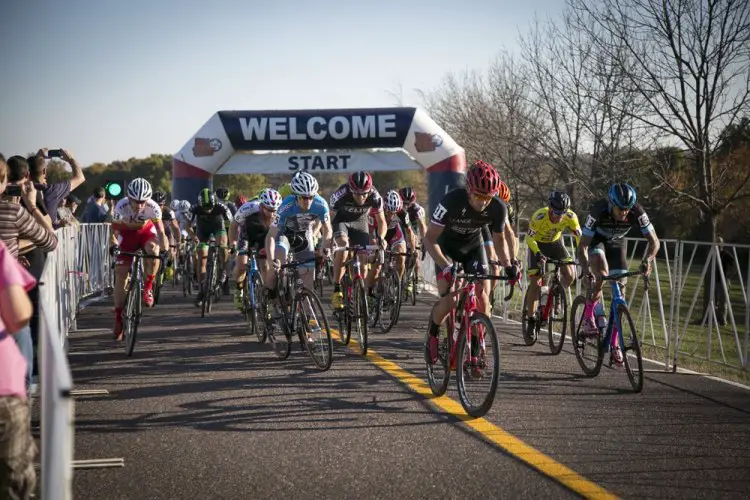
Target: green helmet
x,y
206,198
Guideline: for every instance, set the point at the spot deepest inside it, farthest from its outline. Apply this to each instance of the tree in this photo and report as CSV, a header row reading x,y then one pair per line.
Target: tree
x,y
688,60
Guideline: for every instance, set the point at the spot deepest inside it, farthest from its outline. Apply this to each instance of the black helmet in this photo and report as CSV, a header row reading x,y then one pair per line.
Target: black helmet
x,y
206,199
407,194
558,201
622,196
159,197
222,194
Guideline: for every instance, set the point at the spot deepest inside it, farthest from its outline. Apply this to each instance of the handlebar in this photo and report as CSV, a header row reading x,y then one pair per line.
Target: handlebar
x,y
297,263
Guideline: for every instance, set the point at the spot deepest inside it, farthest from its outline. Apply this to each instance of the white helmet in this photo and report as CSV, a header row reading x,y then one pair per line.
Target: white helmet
x,y
139,189
270,198
175,205
393,201
304,184
184,205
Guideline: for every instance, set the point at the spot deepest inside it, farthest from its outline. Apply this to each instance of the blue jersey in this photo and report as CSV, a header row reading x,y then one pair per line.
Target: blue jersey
x,y
290,219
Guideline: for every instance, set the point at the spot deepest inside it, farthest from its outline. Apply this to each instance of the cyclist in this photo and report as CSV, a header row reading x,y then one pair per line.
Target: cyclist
x,y
399,233
222,194
511,239
418,225
455,233
250,226
544,239
240,200
351,204
607,223
208,216
170,228
293,229
136,223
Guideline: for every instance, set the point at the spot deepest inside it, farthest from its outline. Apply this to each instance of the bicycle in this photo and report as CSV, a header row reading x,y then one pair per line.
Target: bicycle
x,y
159,279
188,269
387,294
299,310
355,298
254,307
133,296
211,287
552,307
619,314
411,275
467,330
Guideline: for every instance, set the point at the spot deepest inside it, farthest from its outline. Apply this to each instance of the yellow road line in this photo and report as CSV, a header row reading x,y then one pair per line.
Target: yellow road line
x,y
504,440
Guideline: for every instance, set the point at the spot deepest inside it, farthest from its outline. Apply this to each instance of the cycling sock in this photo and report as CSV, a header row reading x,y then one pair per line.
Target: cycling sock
x,y
150,281
336,287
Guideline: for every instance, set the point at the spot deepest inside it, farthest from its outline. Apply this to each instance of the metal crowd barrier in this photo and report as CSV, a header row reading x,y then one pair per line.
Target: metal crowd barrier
x,y
695,310
77,269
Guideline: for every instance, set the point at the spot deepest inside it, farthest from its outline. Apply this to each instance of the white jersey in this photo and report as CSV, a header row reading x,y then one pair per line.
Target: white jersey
x,y
183,218
246,210
124,213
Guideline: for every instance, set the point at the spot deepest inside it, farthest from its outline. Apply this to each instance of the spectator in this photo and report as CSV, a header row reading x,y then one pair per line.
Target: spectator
x,y
17,449
66,213
28,227
96,209
54,193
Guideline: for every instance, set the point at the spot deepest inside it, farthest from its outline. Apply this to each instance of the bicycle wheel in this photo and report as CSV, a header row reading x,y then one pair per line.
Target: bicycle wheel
x,y
389,303
478,353
587,347
159,282
187,276
132,315
414,284
529,337
329,271
439,373
208,298
345,315
359,314
560,303
631,348
317,336
282,341
256,308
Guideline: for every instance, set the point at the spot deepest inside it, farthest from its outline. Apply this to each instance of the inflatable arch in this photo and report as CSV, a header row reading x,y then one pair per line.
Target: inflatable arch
x,y
318,141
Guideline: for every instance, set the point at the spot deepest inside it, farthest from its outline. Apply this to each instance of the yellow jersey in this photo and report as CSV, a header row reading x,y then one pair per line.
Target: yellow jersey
x,y
543,230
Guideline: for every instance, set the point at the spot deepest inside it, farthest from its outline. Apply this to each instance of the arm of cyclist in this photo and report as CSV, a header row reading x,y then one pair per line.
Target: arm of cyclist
x,y
271,243
233,233
653,248
163,240
382,225
583,253
511,239
430,242
327,233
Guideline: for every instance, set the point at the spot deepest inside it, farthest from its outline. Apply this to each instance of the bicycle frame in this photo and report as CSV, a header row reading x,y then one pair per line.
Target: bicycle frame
x,y
613,336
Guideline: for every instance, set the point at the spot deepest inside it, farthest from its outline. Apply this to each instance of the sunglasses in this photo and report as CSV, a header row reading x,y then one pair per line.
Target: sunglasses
x,y
482,197
558,213
306,198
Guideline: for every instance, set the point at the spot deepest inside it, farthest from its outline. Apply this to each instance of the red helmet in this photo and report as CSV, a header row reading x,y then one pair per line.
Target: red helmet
x,y
408,195
240,200
482,178
504,192
360,182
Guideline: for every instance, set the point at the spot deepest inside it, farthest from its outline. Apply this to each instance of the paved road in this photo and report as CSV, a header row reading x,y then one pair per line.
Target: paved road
x,y
204,411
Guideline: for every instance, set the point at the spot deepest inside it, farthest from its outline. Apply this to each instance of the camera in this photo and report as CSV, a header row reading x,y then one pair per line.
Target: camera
x,y
54,153
13,190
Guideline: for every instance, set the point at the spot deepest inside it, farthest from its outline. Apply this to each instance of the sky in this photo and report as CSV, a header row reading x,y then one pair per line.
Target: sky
x,y
112,79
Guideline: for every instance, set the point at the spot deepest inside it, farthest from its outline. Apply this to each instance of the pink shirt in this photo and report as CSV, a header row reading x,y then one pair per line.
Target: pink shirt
x,y
12,364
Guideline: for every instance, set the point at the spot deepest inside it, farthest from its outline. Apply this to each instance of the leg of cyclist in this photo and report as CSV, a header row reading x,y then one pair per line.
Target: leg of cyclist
x,y
221,240
532,292
599,267
341,237
240,273
150,268
202,258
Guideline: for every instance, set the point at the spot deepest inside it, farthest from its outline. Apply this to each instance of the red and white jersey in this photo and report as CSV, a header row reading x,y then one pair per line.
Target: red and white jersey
x,y
124,213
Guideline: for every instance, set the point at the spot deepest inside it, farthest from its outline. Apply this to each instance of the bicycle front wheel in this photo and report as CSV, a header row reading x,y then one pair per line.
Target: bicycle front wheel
x,y
132,316
558,317
313,321
587,347
631,349
359,318
389,304
478,365
439,373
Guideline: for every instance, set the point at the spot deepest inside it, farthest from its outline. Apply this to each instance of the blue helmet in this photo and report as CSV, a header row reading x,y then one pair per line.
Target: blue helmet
x,y
622,196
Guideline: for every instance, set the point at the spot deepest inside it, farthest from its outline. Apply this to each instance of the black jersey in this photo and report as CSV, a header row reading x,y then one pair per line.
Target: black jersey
x,y
216,215
342,201
462,223
601,224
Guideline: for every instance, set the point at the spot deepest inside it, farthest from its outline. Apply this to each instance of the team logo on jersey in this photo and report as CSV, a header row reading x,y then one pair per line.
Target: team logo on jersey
x,y
205,147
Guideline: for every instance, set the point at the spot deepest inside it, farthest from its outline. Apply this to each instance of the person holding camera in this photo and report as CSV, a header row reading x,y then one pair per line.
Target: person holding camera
x,y
54,193
23,229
